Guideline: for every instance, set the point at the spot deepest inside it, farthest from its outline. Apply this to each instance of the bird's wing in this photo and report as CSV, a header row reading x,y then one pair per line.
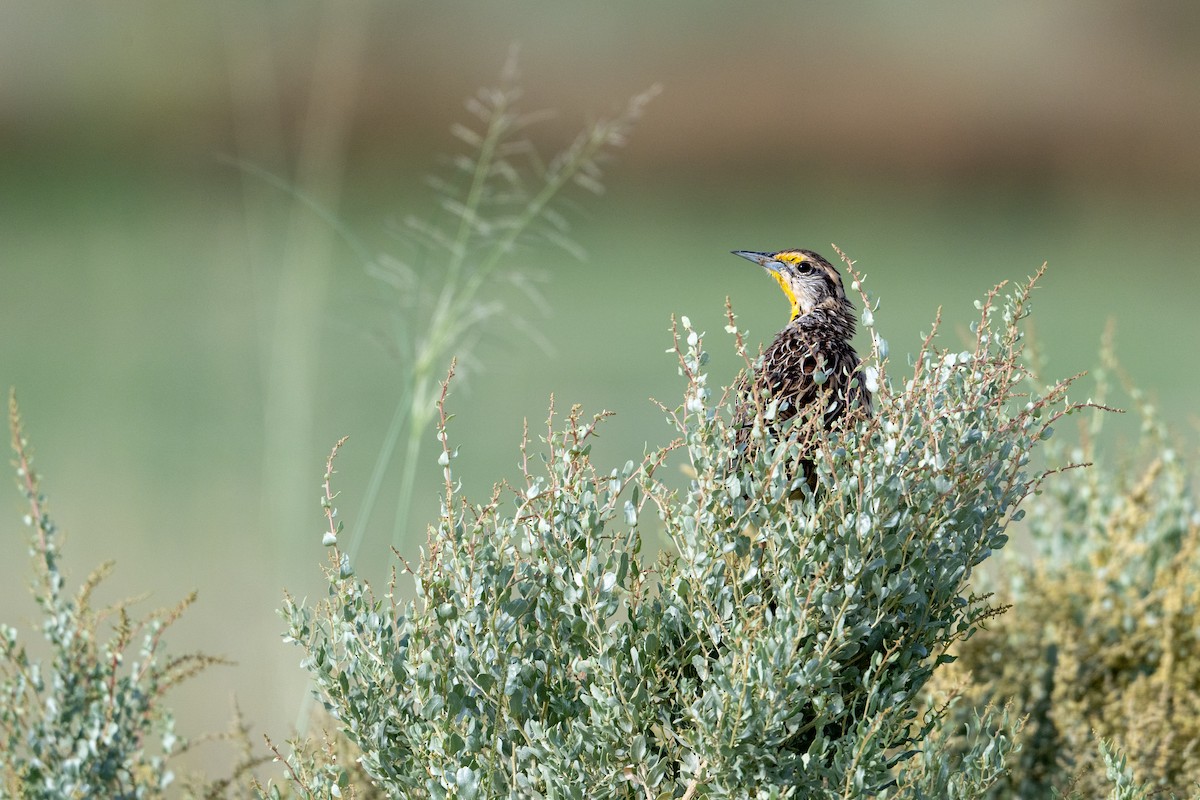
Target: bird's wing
x,y
787,373
803,372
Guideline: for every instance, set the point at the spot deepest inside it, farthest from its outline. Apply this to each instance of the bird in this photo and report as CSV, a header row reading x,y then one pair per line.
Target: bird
x,y
810,368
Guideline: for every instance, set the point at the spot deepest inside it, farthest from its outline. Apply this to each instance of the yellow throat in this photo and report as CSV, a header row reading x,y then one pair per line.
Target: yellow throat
x,y
788,291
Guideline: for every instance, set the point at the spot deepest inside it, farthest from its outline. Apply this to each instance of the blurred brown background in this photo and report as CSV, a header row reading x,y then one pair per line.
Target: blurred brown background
x,y
188,341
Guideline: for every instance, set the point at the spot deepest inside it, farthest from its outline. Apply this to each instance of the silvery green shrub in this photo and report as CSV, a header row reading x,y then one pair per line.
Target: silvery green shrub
x,y
89,720
778,645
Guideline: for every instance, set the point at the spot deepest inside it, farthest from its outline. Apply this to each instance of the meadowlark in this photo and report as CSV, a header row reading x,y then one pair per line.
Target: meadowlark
x,y
810,368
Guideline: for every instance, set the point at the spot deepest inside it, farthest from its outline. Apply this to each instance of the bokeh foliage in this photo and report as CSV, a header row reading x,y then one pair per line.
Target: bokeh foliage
x,y
502,199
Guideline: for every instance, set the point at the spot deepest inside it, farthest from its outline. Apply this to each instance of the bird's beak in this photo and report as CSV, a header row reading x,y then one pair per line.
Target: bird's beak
x,y
764,260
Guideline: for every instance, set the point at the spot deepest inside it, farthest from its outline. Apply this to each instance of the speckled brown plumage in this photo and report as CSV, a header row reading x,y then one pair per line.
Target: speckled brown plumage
x,y
810,367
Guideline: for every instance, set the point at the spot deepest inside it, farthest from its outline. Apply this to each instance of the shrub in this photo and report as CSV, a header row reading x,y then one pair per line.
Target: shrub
x,y
778,647
1103,639
91,720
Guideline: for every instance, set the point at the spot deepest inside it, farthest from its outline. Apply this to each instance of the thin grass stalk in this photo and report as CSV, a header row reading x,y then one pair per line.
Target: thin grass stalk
x,y
408,477
293,341
460,291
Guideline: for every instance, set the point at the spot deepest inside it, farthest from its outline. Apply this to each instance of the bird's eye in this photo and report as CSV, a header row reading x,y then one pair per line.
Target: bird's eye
x,y
804,267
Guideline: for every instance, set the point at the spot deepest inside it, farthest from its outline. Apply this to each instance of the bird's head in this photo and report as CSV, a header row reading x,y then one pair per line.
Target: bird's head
x,y
809,281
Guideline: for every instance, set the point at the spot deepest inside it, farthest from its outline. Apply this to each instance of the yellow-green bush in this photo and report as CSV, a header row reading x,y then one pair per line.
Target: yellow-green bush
x,y
1103,638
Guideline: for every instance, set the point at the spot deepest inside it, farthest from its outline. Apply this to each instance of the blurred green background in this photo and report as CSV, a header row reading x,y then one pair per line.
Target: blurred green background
x,y
187,342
